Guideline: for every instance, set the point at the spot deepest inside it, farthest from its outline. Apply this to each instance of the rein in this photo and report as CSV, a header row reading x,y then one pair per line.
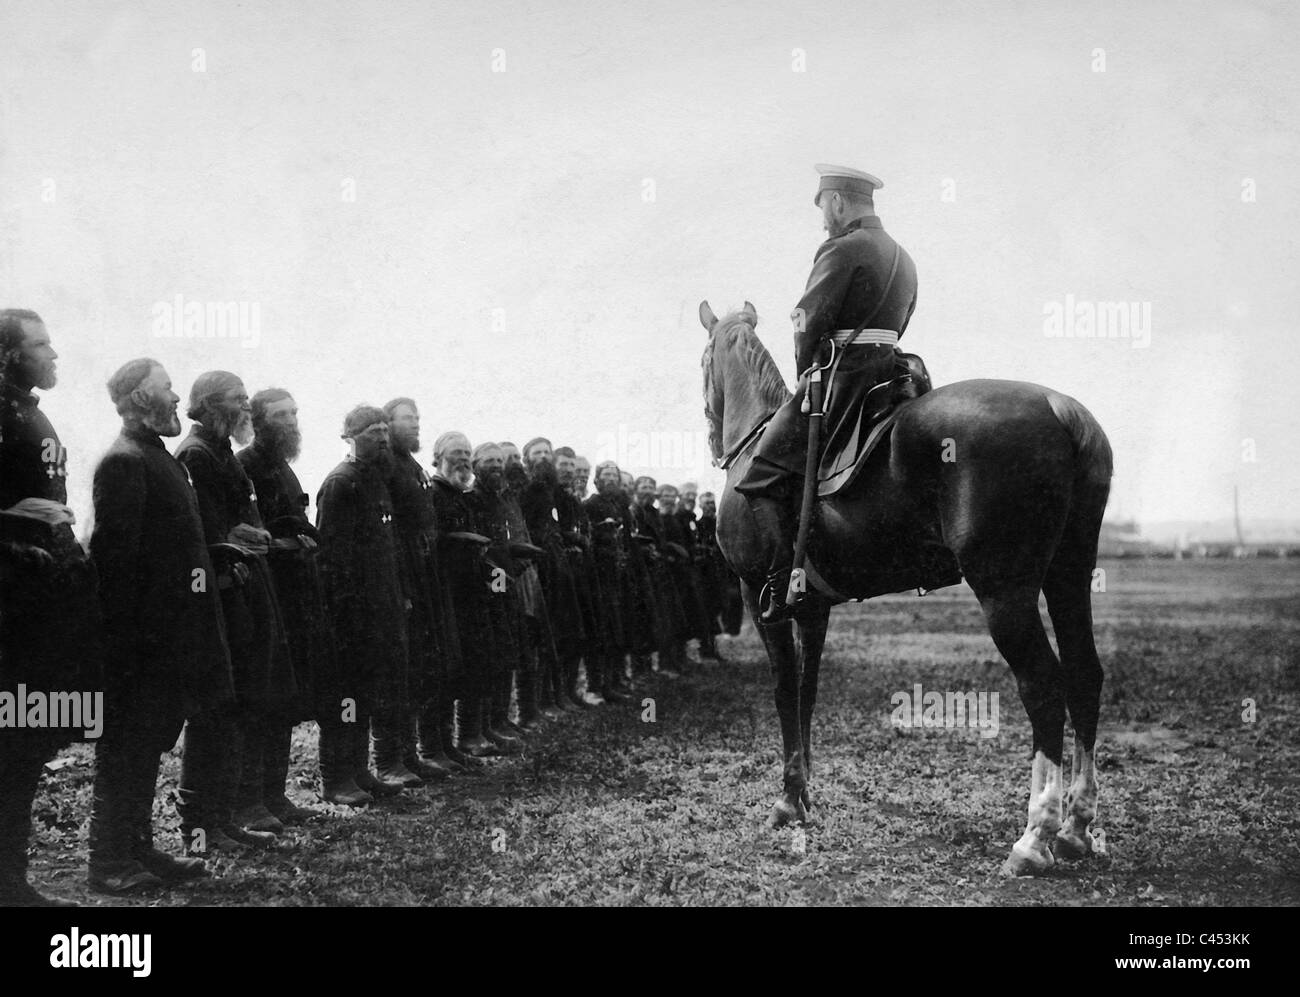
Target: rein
x,y
746,441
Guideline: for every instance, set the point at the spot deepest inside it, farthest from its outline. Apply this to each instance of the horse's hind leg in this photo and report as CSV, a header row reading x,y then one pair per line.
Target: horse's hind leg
x,y
1012,614
1068,588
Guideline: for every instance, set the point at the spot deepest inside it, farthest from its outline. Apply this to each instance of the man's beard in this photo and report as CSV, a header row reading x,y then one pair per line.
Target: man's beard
x,y
382,460
406,442
239,428
490,480
516,477
543,471
162,418
281,442
461,476
607,487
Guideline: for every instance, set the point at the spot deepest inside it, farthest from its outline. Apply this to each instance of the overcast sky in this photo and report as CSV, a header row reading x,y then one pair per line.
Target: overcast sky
x,y
510,211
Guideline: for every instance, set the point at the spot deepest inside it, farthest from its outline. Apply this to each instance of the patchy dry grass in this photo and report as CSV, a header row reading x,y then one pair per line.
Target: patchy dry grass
x,y
1197,806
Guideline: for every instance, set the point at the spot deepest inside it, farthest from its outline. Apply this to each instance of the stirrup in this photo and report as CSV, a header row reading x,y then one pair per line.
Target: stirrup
x,y
770,610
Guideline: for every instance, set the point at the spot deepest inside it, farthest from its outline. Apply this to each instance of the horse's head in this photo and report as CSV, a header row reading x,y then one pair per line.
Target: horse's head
x,y
736,361
722,331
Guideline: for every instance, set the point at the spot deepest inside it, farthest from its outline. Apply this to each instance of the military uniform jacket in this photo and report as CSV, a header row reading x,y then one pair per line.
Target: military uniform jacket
x,y
850,273
49,619
363,585
166,643
847,287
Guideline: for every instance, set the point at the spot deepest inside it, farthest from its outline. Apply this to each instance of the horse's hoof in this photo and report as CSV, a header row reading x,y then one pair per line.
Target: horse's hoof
x,y
1025,860
1071,847
784,812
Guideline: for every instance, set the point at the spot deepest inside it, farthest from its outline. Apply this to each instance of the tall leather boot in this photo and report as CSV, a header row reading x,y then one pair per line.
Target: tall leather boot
x,y
20,773
431,761
774,520
447,731
530,711
610,667
277,744
359,762
469,725
337,771
496,715
250,810
390,728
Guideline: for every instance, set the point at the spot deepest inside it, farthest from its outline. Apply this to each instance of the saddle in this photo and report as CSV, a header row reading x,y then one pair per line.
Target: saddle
x,y
866,422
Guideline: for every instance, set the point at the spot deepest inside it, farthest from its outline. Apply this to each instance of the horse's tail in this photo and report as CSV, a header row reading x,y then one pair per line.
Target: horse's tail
x,y
1094,461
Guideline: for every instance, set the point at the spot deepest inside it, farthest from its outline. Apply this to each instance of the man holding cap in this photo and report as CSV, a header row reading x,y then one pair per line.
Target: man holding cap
x,y
860,295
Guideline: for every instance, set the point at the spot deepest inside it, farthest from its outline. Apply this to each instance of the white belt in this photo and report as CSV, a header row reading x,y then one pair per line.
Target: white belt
x,y
880,337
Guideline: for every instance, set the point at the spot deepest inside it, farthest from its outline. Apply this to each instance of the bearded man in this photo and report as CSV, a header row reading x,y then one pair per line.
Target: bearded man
x,y
282,505
670,638
703,627
428,638
49,611
604,513
581,477
718,578
230,751
678,547
536,699
163,633
576,532
507,557
462,550
562,601
363,588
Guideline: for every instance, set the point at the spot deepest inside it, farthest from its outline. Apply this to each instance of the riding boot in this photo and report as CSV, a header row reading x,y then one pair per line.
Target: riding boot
x,y
250,810
530,713
447,732
469,725
277,744
431,761
337,769
609,667
389,728
359,762
774,522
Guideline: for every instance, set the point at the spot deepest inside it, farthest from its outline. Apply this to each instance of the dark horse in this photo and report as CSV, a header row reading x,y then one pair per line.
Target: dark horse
x,y
1006,478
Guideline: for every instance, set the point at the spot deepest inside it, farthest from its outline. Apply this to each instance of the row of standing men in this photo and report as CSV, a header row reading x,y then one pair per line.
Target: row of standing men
x,y
423,621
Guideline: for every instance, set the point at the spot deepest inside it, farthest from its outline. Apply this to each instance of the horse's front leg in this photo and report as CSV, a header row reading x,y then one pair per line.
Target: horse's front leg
x,y
814,617
779,641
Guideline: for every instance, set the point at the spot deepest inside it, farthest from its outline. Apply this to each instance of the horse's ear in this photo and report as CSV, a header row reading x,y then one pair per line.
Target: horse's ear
x,y
707,318
752,313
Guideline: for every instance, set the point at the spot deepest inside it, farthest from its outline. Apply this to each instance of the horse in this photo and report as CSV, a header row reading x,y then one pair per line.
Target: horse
x,y
1006,478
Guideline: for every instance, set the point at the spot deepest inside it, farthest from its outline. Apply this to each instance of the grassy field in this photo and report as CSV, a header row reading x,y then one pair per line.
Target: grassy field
x,y
1197,804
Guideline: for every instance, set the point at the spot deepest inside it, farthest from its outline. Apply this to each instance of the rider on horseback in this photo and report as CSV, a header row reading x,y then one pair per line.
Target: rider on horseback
x,y
860,295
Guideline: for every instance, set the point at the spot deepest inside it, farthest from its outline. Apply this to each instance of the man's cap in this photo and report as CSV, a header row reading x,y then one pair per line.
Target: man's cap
x,y
847,179
533,442
360,419
482,450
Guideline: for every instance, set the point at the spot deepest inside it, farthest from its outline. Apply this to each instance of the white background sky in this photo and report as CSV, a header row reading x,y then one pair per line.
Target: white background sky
x,y
523,190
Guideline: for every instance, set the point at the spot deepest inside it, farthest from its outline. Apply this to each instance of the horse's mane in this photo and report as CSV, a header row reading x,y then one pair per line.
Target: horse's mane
x,y
736,333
